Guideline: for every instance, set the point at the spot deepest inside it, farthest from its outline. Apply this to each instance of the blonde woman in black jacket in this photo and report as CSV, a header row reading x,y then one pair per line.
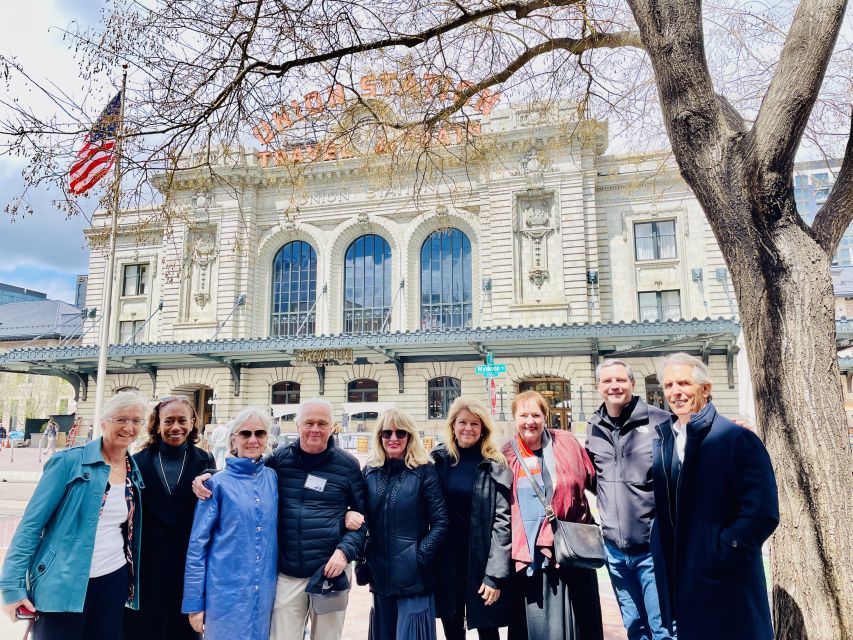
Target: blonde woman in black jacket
x,y
475,564
407,523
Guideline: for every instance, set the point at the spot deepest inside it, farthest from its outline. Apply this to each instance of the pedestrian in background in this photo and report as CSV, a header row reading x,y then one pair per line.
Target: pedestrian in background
x,y
47,446
551,602
230,575
219,443
407,523
168,463
474,565
716,502
74,557
619,442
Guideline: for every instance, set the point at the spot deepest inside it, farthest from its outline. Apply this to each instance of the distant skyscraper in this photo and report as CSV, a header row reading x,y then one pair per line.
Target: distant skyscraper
x,y
813,182
80,292
10,293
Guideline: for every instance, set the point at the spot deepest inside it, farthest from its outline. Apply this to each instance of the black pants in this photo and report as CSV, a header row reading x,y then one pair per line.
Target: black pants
x,y
454,627
101,617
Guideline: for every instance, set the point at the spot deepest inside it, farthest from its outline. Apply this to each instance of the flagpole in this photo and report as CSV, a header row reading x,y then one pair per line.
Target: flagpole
x,y
107,302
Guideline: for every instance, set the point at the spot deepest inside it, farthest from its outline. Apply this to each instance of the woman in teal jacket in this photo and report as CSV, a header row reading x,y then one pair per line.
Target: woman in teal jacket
x,y
75,555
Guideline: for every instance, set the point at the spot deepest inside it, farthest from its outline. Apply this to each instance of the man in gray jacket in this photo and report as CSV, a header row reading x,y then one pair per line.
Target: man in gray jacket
x,y
619,442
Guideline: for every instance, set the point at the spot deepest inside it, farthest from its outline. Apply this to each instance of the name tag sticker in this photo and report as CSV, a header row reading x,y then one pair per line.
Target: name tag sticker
x,y
315,483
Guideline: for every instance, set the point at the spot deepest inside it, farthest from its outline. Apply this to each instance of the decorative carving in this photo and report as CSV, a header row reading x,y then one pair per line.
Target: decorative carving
x,y
536,229
201,261
538,276
363,218
532,165
201,203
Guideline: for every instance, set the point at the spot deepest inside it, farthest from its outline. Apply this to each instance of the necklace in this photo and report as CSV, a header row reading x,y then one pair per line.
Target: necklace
x,y
113,467
163,471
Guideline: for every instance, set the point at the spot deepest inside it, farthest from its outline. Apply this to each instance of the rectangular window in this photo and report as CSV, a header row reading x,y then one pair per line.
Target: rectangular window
x,y
135,280
130,331
654,240
657,306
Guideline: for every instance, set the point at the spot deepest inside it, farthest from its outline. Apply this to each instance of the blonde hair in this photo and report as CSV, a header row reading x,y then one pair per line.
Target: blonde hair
x,y
487,446
414,454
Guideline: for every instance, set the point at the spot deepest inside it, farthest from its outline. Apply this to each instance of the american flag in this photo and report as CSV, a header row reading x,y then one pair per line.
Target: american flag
x,y
96,157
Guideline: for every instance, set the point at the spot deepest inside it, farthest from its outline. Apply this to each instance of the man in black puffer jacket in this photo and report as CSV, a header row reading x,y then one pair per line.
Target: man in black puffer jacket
x,y
317,484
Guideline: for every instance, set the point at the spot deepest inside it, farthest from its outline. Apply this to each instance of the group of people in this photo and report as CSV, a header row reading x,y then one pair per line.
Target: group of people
x,y
266,546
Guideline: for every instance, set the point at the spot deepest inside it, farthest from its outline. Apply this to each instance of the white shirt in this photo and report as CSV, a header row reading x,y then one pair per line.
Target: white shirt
x,y
680,432
108,554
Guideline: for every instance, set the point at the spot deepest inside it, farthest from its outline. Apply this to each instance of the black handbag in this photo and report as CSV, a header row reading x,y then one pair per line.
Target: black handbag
x,y
576,545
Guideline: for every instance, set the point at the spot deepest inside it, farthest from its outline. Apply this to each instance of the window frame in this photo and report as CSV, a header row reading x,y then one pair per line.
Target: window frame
x,y
357,271
659,296
139,281
303,320
442,251
447,394
288,393
655,237
130,338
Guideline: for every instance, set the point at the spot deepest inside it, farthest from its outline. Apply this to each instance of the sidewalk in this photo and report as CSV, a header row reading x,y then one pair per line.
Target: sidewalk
x,y
17,482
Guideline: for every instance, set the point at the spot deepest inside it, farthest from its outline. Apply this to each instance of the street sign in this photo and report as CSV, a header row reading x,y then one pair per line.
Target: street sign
x,y
490,370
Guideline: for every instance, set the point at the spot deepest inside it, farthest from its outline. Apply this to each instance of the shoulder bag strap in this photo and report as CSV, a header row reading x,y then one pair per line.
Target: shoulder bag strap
x,y
549,511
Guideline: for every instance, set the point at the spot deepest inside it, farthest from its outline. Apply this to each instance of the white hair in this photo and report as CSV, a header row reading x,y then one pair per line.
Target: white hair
x,y
125,400
249,413
701,375
612,362
303,405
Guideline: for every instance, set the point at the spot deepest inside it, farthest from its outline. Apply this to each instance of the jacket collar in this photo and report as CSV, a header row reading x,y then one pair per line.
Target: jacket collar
x,y
639,414
92,452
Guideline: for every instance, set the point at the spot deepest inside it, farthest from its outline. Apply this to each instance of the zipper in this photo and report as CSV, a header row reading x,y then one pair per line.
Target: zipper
x,y
617,445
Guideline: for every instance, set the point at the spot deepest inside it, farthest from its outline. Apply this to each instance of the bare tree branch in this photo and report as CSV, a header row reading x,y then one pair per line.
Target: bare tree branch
x,y
794,88
836,214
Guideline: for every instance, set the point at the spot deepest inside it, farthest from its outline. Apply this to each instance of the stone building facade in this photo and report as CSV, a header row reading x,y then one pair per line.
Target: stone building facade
x,y
540,251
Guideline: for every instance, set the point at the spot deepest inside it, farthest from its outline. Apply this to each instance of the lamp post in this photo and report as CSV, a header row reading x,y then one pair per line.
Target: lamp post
x,y
500,395
581,415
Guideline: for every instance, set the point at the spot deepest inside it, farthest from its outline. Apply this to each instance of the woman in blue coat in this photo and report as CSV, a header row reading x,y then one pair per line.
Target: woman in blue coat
x,y
231,563
407,523
75,555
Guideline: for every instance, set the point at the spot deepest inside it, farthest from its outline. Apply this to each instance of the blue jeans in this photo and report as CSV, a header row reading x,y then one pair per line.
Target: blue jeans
x,y
633,579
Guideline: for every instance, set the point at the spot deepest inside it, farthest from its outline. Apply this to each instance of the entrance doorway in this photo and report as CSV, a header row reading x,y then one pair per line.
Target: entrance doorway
x,y
557,392
199,396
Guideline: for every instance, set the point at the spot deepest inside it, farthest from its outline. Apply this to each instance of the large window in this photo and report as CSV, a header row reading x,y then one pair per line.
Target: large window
x,y
130,331
656,306
441,392
363,390
294,289
285,393
654,240
367,285
446,281
135,280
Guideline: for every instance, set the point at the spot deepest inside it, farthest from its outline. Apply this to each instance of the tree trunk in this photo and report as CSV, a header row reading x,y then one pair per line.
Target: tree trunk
x,y
788,317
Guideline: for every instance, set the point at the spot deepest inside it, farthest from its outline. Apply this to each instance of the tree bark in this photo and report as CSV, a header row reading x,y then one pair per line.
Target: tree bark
x,y
780,271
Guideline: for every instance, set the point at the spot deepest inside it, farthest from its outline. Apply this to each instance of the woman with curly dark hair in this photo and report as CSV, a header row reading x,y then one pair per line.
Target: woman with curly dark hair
x,y
168,464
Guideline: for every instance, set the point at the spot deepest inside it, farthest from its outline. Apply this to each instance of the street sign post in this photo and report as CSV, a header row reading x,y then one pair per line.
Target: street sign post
x,y
490,370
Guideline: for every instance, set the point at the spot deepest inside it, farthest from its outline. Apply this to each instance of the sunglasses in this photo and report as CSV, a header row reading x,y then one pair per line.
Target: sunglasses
x,y
246,434
387,433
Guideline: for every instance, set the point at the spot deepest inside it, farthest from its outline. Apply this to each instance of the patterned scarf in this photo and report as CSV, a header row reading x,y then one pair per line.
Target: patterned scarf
x,y
127,528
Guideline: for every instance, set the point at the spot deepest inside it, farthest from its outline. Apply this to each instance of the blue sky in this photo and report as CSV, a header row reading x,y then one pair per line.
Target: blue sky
x,y
44,252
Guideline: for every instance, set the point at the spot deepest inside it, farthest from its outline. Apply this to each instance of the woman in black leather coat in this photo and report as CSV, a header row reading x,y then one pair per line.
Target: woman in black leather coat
x,y
474,566
407,523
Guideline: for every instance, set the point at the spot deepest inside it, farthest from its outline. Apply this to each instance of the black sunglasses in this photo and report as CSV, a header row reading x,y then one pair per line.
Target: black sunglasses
x,y
246,434
386,433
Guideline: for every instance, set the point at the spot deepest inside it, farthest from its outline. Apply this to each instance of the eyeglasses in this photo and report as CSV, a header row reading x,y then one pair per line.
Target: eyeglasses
x,y
123,422
387,433
246,434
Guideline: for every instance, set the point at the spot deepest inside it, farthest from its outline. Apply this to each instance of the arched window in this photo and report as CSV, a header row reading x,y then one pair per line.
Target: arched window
x,y
367,285
363,390
446,281
294,289
285,393
441,392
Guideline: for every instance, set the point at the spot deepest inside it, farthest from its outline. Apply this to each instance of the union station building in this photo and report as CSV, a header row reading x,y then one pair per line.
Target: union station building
x,y
546,255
